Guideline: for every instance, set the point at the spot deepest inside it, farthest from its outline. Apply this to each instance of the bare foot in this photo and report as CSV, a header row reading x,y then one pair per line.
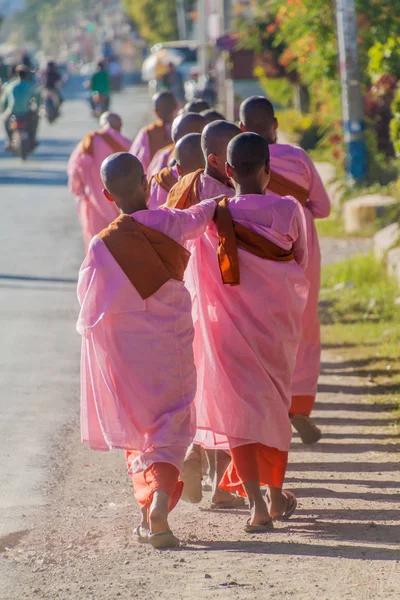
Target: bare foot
x,y
145,520
306,428
278,506
194,453
158,514
222,497
259,514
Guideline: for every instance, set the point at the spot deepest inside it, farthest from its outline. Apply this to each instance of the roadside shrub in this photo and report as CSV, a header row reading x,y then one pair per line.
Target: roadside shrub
x,y
378,111
278,90
305,130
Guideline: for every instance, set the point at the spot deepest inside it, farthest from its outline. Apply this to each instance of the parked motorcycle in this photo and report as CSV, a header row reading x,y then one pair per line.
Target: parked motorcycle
x,y
21,142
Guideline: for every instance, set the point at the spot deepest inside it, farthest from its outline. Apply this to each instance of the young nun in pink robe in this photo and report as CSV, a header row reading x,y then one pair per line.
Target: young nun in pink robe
x,y
182,125
248,328
294,173
189,158
138,378
94,211
190,190
152,138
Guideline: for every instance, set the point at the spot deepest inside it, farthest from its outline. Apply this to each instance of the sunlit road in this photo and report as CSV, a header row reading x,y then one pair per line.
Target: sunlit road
x,y
40,254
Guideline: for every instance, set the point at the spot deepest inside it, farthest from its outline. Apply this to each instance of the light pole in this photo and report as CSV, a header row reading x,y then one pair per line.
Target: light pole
x,y
352,99
181,18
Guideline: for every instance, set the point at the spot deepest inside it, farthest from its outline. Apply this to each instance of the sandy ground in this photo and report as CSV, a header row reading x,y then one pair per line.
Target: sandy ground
x,y
74,540
343,542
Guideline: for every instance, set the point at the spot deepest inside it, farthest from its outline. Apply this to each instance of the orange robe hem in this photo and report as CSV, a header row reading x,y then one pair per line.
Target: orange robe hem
x,y
254,462
302,405
159,476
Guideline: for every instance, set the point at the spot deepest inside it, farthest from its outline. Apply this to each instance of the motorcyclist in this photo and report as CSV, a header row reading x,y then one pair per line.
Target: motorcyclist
x,y
51,78
20,98
100,83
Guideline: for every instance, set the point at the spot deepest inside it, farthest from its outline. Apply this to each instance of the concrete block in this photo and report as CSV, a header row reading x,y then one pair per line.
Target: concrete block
x,y
363,211
393,264
385,239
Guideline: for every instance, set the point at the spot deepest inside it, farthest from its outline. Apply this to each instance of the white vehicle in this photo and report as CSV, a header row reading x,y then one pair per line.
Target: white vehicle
x,y
186,50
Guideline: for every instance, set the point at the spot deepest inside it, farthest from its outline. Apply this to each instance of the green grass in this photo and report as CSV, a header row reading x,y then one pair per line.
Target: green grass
x,y
333,226
361,322
358,289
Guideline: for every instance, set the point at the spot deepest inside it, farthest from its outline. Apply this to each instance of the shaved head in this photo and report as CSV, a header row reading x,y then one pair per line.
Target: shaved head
x,y
123,177
185,124
165,105
211,115
216,136
196,106
258,116
247,154
214,141
188,153
109,119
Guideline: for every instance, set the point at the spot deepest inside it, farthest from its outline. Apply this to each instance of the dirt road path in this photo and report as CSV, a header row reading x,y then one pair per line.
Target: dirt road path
x,y
343,542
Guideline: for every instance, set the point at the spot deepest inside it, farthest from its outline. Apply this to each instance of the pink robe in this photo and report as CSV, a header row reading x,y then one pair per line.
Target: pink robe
x,y
247,336
295,164
158,162
138,378
209,187
158,196
94,211
141,147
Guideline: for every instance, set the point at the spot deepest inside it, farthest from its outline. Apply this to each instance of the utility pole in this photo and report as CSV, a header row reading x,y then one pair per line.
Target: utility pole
x,y
181,18
352,99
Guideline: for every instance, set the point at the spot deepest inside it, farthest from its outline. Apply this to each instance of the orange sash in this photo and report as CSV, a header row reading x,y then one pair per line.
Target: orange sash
x,y
185,193
166,179
159,137
147,257
88,142
231,235
282,186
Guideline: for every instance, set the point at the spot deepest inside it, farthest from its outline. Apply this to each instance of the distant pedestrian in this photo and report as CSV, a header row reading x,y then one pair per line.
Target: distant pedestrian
x,y
152,138
84,181
182,125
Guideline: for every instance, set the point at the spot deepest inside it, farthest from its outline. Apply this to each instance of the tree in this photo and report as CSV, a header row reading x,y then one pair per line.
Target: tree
x,y
156,20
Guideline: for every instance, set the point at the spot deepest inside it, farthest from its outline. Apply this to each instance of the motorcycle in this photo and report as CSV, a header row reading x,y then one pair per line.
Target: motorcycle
x,y
50,105
100,104
21,142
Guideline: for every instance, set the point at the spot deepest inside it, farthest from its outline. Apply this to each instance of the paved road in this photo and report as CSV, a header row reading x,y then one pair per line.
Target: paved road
x,y
40,253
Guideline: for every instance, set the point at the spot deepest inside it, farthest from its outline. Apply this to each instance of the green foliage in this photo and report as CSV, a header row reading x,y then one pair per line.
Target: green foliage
x,y
279,91
362,323
358,289
332,227
384,58
297,39
395,122
156,19
305,130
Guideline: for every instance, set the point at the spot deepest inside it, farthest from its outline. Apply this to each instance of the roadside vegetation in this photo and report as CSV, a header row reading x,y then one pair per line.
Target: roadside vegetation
x,y
360,316
296,55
